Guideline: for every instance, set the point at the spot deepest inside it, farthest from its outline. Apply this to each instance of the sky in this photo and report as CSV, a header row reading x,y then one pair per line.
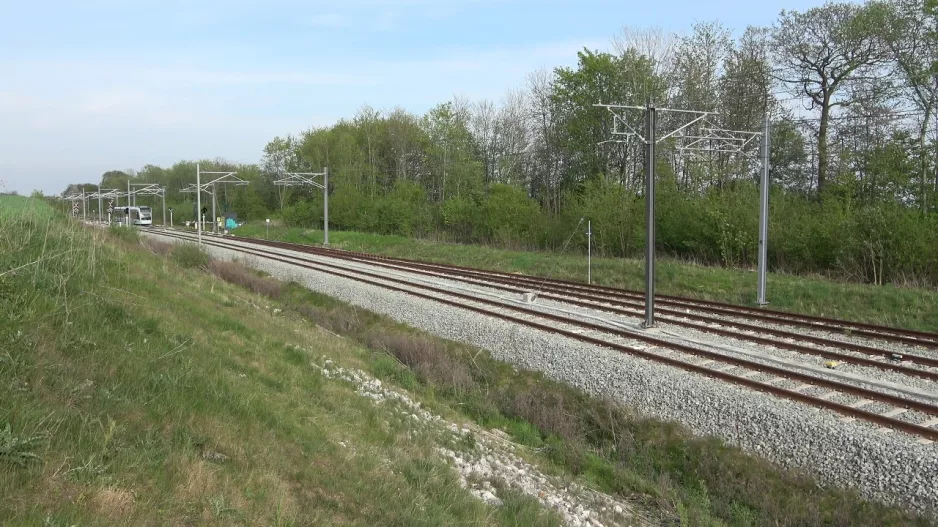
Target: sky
x,y
97,85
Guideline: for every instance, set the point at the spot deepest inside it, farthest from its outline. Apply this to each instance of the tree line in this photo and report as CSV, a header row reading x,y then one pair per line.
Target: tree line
x,y
849,91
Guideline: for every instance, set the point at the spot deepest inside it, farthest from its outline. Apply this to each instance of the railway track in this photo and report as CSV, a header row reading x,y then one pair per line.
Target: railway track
x,y
890,360
827,348
852,329
725,367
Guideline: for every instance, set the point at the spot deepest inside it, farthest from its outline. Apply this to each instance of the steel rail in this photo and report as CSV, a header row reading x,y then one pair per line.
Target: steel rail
x,y
928,433
903,336
829,354
906,336
859,348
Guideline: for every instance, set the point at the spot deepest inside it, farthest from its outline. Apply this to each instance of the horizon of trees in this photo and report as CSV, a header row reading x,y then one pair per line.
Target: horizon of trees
x,y
850,92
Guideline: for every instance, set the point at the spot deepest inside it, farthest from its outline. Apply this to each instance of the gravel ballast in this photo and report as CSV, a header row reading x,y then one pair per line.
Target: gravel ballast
x,y
889,467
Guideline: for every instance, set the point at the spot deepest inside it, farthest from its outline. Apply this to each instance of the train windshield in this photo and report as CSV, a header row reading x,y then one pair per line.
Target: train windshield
x,y
145,213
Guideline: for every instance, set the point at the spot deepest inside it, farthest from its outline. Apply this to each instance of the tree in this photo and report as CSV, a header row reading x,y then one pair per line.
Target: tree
x,y
890,167
821,50
367,122
484,125
697,66
451,153
696,80
599,78
654,44
514,139
746,85
865,126
115,179
403,142
911,34
788,160
545,163
745,97
280,156
79,188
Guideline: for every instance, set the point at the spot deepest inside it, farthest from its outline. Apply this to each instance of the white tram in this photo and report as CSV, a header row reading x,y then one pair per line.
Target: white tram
x,y
141,216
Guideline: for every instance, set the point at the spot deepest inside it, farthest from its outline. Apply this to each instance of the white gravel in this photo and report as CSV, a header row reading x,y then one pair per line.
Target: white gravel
x,y
890,467
489,462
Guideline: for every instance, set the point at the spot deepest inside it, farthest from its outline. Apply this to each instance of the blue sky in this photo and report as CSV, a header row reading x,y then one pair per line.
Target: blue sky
x,y
89,86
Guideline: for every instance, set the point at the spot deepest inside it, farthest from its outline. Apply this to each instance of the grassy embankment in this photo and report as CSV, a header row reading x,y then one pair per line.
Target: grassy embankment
x,y
137,390
688,481
887,305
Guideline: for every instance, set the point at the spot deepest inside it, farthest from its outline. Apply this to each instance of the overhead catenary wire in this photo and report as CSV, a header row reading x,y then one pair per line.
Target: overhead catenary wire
x,y
896,115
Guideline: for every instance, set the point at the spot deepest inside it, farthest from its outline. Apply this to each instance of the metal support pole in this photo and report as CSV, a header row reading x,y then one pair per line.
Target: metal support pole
x,y
84,205
589,252
214,217
128,202
649,216
325,205
764,215
100,212
164,207
170,219
198,202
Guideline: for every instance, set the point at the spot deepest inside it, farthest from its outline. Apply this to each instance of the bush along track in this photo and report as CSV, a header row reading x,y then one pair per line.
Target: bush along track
x,y
690,480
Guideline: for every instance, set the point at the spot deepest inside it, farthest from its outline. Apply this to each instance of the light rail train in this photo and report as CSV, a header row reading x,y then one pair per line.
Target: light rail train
x,y
142,216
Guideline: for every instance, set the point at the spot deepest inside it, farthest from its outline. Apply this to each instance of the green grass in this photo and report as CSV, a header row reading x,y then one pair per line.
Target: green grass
x,y
21,204
190,255
912,308
136,391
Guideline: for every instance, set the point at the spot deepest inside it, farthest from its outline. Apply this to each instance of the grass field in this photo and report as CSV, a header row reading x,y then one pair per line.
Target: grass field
x,y
135,390
887,305
142,384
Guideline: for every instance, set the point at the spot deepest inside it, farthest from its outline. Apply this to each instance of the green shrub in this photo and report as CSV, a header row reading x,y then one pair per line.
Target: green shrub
x,y
404,210
125,233
190,255
303,214
456,215
617,217
507,217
